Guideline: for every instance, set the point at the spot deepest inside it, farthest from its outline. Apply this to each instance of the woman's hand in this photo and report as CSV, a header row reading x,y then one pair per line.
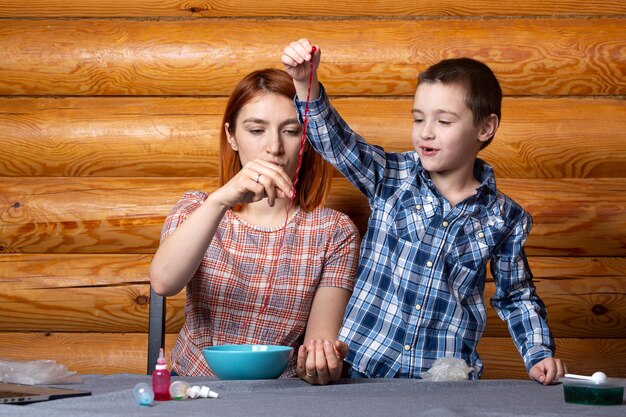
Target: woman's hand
x,y
321,361
257,180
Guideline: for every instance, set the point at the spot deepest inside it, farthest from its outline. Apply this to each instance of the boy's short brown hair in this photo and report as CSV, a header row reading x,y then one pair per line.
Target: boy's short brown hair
x,y
483,95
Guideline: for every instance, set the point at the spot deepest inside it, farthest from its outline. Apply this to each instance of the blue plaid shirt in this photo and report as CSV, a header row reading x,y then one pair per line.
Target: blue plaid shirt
x,y
419,290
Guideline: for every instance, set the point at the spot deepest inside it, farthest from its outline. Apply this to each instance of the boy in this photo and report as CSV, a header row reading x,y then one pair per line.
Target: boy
x,y
436,220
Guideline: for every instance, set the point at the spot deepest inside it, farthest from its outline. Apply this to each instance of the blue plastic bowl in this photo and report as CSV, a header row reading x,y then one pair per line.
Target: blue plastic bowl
x,y
247,361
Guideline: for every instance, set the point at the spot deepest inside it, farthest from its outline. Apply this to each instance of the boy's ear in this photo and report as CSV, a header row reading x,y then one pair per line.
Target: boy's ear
x,y
488,128
230,138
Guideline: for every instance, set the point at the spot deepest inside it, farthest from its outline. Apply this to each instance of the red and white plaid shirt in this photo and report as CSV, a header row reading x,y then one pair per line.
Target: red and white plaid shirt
x,y
250,289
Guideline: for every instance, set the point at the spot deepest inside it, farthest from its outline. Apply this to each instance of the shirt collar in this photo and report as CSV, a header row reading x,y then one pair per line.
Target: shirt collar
x,y
483,172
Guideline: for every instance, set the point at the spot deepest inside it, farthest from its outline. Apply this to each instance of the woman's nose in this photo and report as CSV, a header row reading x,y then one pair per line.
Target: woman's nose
x,y
274,143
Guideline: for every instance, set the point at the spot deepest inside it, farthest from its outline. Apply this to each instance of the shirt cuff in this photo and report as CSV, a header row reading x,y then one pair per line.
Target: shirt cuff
x,y
316,107
536,354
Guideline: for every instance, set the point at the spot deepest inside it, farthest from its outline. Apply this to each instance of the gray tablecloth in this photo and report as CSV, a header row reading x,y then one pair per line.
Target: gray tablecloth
x,y
112,396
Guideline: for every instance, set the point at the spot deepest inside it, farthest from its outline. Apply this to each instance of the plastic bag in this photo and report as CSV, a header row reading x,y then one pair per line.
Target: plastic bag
x,y
448,369
36,372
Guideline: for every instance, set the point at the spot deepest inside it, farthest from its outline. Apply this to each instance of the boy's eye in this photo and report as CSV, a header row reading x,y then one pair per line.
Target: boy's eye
x,y
445,122
256,131
418,121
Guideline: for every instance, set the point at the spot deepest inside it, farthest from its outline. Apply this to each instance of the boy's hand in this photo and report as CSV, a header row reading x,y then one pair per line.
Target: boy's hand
x,y
296,58
548,371
296,55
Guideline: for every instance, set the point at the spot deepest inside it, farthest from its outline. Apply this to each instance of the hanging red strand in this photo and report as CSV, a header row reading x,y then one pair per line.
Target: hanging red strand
x,y
305,122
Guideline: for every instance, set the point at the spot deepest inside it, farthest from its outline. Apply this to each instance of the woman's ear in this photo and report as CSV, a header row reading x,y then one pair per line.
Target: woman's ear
x,y
488,128
232,141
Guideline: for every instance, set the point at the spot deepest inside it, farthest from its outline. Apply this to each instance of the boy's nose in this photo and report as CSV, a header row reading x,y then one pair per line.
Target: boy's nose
x,y
427,132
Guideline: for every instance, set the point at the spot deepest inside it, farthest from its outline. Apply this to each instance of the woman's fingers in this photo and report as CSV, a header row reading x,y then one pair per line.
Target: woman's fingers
x,y
272,175
261,179
319,362
301,362
334,362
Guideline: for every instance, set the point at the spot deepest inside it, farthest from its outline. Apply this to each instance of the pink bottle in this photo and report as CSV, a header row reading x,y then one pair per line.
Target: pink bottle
x,y
161,379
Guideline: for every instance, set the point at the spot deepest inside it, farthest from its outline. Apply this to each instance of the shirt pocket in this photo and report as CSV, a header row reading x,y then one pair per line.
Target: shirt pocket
x,y
474,244
467,285
410,223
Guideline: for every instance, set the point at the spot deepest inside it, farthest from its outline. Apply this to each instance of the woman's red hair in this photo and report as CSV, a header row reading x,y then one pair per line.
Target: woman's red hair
x,y
314,178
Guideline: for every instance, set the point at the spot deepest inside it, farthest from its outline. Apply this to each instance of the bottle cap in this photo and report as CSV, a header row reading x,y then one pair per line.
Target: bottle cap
x,y
205,392
161,360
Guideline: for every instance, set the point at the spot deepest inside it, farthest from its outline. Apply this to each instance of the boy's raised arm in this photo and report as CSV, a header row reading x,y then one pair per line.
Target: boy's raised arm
x,y
296,59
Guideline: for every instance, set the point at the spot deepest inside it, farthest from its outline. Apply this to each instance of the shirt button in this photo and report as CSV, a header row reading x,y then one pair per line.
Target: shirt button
x,y
481,235
407,347
418,307
444,224
429,264
418,207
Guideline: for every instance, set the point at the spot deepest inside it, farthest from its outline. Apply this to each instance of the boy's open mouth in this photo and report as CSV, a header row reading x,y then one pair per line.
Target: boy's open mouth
x,y
428,150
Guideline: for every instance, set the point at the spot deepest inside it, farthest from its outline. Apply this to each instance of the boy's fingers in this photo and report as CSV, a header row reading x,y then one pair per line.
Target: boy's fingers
x,y
303,47
289,57
298,52
537,373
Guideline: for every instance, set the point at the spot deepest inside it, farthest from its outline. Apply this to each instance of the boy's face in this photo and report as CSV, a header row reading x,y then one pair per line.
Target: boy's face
x,y
444,134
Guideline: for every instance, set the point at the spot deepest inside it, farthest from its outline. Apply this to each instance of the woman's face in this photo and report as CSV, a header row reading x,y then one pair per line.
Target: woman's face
x,y
267,127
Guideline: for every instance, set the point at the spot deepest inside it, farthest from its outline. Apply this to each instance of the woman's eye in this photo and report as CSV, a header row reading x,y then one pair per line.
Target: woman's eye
x,y
417,121
256,131
293,132
445,122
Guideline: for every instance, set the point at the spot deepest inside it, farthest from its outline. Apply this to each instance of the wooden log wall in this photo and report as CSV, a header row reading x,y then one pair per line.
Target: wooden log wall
x,y
109,111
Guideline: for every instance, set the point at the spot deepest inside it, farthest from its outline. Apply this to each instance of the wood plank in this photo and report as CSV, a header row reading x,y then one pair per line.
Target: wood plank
x,y
581,356
577,307
110,353
570,214
273,8
86,353
573,217
86,136
79,293
110,293
545,56
539,138
96,215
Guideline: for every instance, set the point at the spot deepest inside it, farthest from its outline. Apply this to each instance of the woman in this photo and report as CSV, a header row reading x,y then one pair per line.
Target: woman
x,y
257,266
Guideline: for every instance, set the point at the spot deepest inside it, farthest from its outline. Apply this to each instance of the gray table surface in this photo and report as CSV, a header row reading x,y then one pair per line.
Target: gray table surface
x,y
112,396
